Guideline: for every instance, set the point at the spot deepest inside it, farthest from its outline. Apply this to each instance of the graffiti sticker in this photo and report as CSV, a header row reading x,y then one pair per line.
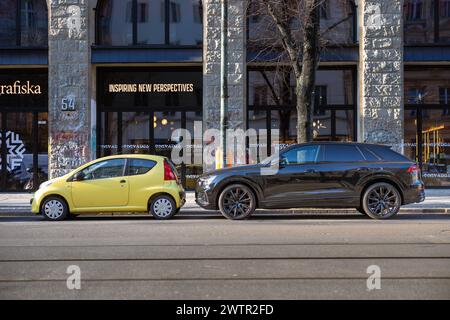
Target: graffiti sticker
x,y
14,150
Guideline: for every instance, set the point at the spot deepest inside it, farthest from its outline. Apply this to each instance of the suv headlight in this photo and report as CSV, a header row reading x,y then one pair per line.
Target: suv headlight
x,y
206,181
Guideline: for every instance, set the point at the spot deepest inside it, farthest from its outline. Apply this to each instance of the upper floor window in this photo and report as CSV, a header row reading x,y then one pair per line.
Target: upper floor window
x,y
149,22
414,10
427,21
337,24
23,23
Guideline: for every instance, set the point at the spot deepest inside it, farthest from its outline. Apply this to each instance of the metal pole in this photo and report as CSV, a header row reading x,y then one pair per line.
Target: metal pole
x,y
224,80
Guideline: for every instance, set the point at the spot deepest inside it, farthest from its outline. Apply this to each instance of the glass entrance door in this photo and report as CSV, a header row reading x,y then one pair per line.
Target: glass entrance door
x,y
24,155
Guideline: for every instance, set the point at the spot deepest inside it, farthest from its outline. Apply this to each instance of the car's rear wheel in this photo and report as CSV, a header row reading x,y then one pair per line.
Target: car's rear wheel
x,y
163,207
237,202
381,201
54,209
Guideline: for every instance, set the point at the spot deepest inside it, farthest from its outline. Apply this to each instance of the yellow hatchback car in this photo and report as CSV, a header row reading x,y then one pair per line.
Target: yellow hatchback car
x,y
121,183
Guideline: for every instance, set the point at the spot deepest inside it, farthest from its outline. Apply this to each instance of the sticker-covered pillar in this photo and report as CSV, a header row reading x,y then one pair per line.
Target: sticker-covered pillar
x,y
69,111
381,72
235,66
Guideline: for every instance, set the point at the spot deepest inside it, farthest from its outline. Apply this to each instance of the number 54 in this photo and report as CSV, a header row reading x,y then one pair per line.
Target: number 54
x,y
68,104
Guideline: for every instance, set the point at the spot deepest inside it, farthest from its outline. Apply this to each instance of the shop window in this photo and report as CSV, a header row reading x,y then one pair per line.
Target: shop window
x,y
143,120
272,104
427,123
416,95
31,30
444,95
260,95
147,22
444,98
320,99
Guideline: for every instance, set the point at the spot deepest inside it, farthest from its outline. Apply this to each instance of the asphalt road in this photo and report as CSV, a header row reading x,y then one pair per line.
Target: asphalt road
x,y
208,257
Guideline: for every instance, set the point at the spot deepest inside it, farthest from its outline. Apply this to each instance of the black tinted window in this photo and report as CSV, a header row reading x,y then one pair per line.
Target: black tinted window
x,y
341,153
139,166
305,154
387,154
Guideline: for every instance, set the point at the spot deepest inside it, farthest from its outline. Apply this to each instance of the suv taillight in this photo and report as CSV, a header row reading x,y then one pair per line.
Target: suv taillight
x,y
414,170
168,172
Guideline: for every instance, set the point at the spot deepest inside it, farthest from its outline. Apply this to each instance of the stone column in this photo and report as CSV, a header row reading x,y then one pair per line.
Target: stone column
x,y
381,72
69,114
235,68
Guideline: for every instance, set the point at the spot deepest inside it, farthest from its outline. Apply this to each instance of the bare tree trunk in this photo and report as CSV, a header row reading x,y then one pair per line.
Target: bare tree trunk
x,y
305,70
305,82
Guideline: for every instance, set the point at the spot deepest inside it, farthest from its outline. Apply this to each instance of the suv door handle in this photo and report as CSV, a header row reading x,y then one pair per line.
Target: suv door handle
x,y
123,181
310,171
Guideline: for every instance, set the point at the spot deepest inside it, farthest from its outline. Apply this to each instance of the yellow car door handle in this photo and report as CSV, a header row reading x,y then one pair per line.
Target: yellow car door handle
x,y
123,181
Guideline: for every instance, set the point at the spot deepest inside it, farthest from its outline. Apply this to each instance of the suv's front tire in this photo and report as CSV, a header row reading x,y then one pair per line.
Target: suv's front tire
x,y
381,201
237,202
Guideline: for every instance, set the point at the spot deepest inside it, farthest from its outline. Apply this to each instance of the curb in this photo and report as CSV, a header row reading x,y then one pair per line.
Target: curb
x,y
24,211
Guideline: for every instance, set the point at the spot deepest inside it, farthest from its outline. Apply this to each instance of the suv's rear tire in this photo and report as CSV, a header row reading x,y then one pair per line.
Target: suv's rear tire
x,y
237,202
381,201
54,209
163,207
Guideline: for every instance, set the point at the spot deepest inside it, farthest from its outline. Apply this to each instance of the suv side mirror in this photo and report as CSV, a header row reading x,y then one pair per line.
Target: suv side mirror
x,y
283,161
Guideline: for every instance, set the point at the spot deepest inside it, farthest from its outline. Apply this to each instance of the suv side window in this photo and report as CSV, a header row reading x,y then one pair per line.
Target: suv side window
x,y
139,166
341,153
301,155
369,155
104,169
386,153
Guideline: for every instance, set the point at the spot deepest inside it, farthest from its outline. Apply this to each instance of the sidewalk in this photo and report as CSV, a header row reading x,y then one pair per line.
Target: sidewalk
x,y
437,201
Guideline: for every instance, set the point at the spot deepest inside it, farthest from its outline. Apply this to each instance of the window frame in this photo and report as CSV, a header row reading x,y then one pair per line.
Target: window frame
x,y
135,22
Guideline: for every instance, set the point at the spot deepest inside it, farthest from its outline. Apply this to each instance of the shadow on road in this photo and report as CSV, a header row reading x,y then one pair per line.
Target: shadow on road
x,y
259,216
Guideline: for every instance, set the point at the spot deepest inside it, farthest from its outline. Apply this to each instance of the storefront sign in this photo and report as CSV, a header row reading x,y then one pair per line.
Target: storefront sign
x,y
19,88
150,87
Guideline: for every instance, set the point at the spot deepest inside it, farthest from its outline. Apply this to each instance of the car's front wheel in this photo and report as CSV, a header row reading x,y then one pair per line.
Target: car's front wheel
x,y
237,202
54,209
163,207
381,201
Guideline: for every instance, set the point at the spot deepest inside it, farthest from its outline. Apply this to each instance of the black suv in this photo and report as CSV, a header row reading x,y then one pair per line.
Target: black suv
x,y
371,178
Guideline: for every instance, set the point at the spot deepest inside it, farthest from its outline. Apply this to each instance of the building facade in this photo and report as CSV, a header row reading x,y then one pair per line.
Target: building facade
x,y
81,79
